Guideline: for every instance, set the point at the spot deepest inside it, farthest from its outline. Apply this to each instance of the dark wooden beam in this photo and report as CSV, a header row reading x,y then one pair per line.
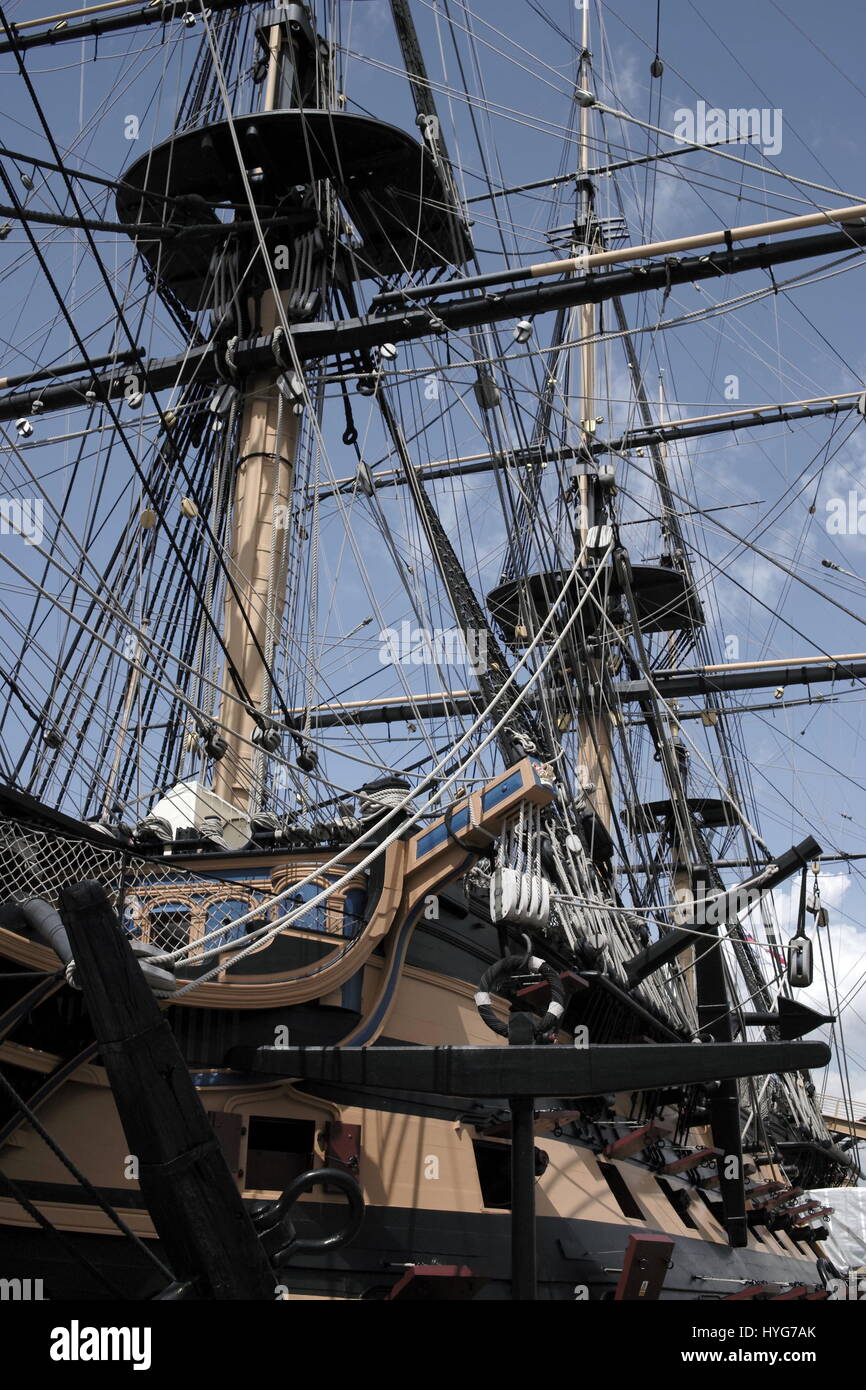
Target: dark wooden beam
x,y
320,340
715,1022
524,1254
27,35
534,1071
681,685
198,1212
674,942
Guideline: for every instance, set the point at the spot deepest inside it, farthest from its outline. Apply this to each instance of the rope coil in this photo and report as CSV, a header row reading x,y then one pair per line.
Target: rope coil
x,y
508,968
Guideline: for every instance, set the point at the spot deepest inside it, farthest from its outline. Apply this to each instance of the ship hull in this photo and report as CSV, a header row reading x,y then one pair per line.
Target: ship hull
x,y
433,1169
577,1259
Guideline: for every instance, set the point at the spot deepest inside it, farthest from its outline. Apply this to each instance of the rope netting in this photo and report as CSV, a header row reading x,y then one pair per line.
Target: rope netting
x,y
165,905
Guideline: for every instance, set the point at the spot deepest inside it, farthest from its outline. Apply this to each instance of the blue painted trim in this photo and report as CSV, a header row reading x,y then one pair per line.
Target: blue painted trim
x,y
439,834
494,795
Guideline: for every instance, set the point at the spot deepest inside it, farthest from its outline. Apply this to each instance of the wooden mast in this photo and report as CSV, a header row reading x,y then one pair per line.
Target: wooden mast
x,y
681,879
595,757
257,560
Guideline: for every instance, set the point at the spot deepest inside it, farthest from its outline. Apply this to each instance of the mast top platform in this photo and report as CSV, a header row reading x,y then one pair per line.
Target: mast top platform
x,y
708,813
390,186
665,602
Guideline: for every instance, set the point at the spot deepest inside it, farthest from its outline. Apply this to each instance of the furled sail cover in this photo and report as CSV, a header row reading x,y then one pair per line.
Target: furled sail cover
x,y
846,1245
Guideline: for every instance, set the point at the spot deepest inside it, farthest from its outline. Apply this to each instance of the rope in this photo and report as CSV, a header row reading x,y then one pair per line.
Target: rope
x,y
34,1121
48,1226
281,923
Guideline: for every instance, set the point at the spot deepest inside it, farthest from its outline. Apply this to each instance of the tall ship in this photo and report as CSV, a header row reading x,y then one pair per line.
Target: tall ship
x,y
413,549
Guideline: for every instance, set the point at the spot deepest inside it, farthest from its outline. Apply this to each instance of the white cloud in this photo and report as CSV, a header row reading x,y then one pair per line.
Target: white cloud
x,y
839,963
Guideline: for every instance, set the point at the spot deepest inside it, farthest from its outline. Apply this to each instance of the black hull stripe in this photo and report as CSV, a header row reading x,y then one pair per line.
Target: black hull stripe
x,y
571,1253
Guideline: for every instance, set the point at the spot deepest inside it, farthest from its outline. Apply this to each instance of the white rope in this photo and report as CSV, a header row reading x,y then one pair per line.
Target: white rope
x,y
355,869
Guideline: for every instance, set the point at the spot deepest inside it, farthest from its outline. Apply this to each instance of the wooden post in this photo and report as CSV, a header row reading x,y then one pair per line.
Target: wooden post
x,y
258,565
197,1210
716,1023
523,1232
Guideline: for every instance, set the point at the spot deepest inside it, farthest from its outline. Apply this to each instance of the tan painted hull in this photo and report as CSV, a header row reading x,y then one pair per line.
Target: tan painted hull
x,y
417,1162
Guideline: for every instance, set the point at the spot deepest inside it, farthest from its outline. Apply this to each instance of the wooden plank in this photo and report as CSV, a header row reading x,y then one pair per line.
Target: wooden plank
x,y
633,1143
803,1207
762,1188
436,1282
791,1248
782,1197
546,1121
651,1198
813,1216
647,1260
688,1161
753,1291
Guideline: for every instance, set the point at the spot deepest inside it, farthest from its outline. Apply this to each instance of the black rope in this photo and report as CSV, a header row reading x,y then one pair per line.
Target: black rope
x,y
33,1120
15,1191
236,677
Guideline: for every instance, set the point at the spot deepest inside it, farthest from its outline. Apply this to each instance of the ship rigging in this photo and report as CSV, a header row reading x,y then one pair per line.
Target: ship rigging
x,y
349,680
